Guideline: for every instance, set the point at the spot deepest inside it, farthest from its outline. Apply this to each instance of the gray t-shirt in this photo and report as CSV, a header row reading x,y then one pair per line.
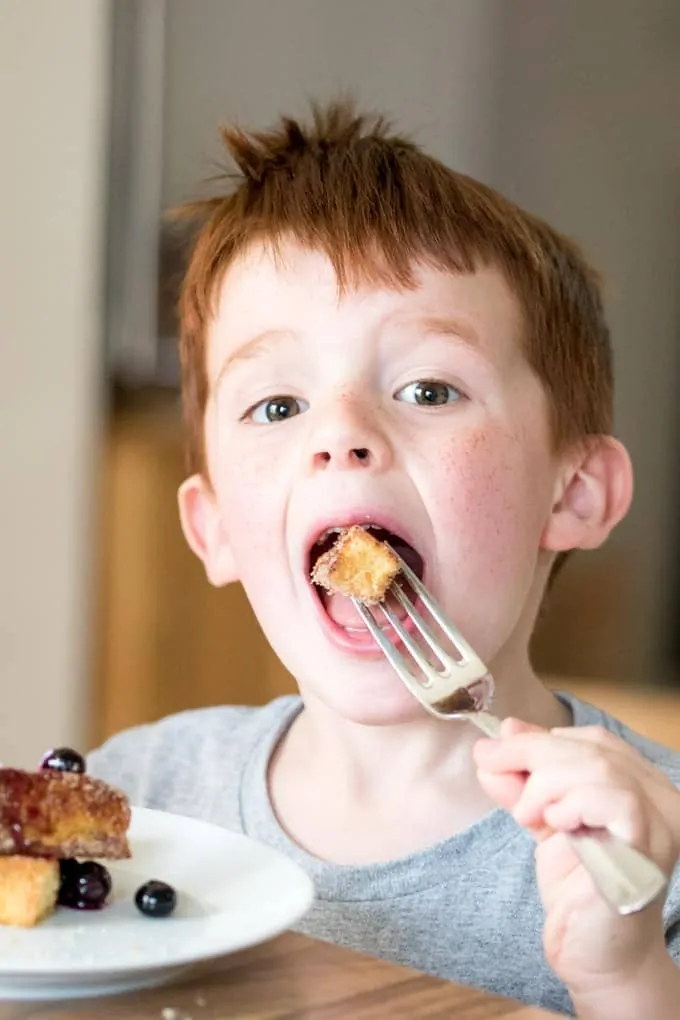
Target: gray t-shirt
x,y
466,909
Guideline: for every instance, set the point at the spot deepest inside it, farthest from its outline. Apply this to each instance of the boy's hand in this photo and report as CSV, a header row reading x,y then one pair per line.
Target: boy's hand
x,y
555,782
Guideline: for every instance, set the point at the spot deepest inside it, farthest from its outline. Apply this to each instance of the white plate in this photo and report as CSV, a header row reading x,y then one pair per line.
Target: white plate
x,y
232,893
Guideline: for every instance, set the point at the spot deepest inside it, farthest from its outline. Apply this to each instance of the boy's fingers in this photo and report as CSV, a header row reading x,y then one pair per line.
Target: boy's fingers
x,y
522,752
590,755
624,815
600,737
593,807
552,783
526,752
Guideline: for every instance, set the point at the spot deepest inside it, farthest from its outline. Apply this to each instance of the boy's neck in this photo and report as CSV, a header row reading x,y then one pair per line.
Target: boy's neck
x,y
420,773
421,749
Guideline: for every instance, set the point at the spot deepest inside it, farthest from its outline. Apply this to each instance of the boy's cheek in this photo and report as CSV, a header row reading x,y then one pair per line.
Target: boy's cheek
x,y
488,508
248,509
489,501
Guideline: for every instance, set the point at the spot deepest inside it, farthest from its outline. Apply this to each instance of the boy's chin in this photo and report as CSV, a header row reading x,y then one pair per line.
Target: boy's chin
x,y
370,706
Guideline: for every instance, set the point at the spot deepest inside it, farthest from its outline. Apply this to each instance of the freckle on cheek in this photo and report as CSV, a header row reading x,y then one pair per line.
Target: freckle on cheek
x,y
480,485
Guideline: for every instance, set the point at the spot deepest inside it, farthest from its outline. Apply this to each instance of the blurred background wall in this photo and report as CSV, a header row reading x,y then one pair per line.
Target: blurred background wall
x,y
587,136
54,86
569,107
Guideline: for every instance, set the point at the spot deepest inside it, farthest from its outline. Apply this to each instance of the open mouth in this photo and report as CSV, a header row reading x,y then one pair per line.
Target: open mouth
x,y
340,609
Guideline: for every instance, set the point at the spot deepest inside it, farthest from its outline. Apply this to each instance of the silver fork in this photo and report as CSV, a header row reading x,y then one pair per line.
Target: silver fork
x,y
462,688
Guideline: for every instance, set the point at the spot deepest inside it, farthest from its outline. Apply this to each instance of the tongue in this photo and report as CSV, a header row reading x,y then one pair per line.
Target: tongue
x,y
342,611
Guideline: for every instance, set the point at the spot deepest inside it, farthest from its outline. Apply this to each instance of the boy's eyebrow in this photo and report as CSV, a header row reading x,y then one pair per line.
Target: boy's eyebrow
x,y
260,343
253,348
453,327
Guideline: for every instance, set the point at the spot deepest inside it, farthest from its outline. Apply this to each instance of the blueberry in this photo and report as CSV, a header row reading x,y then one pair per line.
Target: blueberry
x,y
63,759
69,869
156,899
84,886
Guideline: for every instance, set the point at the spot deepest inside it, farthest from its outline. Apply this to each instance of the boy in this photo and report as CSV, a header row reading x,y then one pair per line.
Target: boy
x,y
367,336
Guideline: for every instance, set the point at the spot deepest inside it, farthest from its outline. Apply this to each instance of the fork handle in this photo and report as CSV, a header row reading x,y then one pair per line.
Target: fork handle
x,y
487,723
627,879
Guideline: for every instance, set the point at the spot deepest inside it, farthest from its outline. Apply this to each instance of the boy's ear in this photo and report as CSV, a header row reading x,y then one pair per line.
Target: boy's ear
x,y
203,530
593,494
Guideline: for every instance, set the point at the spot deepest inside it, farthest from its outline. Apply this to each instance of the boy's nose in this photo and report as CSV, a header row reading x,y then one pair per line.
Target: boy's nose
x,y
350,437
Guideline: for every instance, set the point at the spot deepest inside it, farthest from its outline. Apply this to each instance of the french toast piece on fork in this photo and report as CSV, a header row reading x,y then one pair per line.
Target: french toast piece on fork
x,y
357,565
459,686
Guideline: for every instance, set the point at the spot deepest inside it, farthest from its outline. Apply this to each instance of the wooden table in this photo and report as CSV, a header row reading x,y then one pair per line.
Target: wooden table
x,y
291,978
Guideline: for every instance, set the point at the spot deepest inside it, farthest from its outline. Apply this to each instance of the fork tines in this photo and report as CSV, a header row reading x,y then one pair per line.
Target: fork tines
x,y
464,668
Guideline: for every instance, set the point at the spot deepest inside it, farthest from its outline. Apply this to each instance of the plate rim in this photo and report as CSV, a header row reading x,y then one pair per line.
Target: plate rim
x,y
188,957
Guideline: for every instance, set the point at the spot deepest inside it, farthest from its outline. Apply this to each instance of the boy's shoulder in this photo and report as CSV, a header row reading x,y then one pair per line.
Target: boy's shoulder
x,y
663,758
158,763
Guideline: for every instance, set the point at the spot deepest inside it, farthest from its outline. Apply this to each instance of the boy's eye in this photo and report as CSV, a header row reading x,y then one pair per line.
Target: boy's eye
x,y
275,409
428,393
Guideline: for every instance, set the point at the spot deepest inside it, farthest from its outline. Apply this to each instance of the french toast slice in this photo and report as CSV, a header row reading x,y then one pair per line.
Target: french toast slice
x,y
29,887
357,565
61,814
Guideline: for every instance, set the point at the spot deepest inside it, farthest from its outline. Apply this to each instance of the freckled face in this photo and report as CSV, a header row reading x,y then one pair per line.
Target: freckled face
x,y
417,406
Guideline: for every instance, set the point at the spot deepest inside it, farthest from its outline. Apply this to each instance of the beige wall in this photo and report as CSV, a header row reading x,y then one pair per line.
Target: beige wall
x,y
587,134
53,75
430,64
